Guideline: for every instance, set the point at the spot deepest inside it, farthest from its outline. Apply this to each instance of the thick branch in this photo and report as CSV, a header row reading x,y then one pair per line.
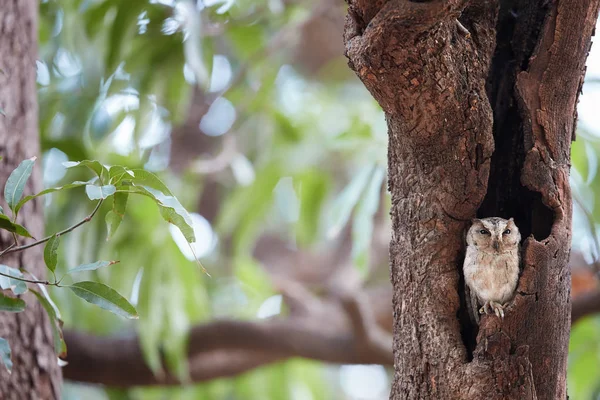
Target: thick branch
x,y
226,348
215,353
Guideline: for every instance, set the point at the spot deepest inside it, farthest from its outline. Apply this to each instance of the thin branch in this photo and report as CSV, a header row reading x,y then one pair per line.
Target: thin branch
x,y
44,240
27,280
7,249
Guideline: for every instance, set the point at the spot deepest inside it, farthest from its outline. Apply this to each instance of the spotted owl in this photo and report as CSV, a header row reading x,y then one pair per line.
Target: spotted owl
x,y
491,267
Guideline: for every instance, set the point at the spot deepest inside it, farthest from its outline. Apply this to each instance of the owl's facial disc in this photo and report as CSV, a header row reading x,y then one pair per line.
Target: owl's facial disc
x,y
495,235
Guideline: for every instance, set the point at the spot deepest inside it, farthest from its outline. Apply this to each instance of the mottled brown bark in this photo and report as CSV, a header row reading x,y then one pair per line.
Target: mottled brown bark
x,y
35,373
480,123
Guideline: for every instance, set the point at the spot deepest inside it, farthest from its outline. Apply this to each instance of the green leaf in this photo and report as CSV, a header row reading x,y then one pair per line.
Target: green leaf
x,y
104,297
170,209
116,215
59,343
5,354
345,202
362,225
51,252
116,173
7,224
100,192
91,266
17,286
46,191
11,304
16,182
312,188
147,178
94,165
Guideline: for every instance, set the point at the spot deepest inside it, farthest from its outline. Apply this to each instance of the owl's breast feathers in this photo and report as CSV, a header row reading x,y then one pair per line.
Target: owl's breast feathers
x,y
492,276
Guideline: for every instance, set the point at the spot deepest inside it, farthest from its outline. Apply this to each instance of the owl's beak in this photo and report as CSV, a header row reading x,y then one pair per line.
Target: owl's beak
x,y
496,245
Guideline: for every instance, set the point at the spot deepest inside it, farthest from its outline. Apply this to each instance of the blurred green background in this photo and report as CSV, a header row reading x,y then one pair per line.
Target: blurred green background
x,y
247,110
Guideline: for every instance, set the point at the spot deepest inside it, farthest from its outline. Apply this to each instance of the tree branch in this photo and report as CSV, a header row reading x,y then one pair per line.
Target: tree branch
x,y
226,347
354,330
584,305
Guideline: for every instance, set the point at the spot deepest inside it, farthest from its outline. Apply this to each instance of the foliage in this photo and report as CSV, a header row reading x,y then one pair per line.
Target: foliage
x,y
120,83
95,293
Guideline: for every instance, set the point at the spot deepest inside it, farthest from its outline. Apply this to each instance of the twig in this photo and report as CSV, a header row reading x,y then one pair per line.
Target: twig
x,y
7,249
28,280
44,240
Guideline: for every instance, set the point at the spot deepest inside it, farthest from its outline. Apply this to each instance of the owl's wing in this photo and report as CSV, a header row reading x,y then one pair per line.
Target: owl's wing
x,y
472,305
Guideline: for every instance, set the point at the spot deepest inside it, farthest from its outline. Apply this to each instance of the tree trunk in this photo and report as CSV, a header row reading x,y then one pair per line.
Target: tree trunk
x,y
35,373
480,123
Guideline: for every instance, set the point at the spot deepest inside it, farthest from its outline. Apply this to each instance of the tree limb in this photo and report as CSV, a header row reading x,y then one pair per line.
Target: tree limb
x,y
226,347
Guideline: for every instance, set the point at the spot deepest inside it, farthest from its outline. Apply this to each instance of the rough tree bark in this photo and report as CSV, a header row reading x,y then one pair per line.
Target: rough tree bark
x,y
480,123
35,373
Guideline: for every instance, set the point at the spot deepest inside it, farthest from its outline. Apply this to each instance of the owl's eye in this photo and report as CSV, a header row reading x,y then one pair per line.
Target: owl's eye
x,y
506,232
484,232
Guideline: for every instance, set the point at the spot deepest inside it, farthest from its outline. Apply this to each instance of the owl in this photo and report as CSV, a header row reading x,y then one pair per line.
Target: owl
x,y
491,267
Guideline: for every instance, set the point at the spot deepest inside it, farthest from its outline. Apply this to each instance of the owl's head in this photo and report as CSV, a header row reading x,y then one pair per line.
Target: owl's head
x,y
494,235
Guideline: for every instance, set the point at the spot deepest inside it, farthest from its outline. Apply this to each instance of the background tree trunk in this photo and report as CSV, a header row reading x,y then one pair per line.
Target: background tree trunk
x,y
480,123
35,373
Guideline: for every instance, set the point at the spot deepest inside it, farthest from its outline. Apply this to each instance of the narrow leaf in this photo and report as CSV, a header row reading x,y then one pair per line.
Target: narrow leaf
x,y
5,354
91,266
362,225
11,304
7,224
95,166
147,178
16,182
59,343
104,297
51,252
100,192
345,202
116,215
170,209
46,191
17,286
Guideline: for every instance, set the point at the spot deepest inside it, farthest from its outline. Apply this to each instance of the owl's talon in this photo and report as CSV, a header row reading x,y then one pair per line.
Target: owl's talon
x,y
485,309
498,309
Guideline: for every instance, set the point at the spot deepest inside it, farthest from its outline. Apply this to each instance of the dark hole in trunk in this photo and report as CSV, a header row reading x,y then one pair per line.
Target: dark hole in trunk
x,y
518,28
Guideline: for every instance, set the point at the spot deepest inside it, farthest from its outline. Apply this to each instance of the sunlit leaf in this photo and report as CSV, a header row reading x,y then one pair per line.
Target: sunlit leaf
x,y
51,252
47,191
13,191
56,324
104,297
170,209
91,266
345,202
17,286
116,173
141,177
8,225
99,192
5,354
97,167
286,200
11,304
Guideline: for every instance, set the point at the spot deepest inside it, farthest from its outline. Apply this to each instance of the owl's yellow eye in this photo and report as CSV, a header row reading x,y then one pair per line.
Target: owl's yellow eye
x,y
484,232
506,232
